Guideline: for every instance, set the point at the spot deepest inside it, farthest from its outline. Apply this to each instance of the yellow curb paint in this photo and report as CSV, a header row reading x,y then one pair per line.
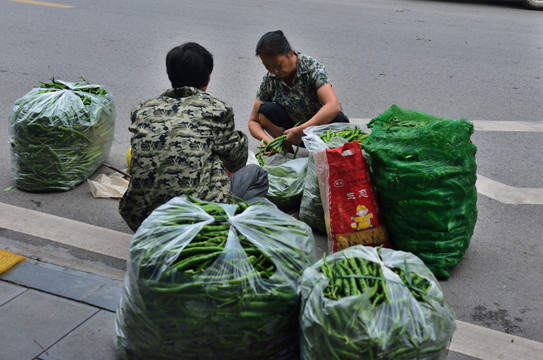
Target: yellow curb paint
x,y
8,259
43,3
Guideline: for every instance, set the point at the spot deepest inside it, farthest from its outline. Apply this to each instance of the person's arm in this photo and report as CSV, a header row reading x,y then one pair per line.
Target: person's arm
x,y
328,112
255,127
230,144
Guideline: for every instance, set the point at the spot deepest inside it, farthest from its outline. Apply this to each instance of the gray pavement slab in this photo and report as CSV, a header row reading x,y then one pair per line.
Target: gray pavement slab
x,y
90,341
54,312
32,321
9,291
89,288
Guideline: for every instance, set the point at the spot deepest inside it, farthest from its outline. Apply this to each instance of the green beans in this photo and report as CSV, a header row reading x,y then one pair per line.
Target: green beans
x,y
228,289
349,134
59,134
276,146
373,303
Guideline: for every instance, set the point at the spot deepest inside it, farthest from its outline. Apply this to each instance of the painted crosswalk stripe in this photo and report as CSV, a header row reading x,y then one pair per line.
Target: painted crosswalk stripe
x,y
488,125
509,194
520,126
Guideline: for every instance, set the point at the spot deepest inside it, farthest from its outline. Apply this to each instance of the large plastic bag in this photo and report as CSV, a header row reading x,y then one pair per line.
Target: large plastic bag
x,y
402,314
424,172
214,281
59,133
311,209
286,176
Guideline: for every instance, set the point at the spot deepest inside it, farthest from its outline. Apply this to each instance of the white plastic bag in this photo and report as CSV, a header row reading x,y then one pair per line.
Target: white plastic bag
x,y
409,320
214,281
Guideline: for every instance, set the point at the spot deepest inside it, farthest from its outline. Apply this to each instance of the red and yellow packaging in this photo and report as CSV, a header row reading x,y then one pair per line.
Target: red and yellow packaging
x,y
350,207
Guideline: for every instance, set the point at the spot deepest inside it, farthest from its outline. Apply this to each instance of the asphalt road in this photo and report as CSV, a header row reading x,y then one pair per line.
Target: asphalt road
x,y
479,60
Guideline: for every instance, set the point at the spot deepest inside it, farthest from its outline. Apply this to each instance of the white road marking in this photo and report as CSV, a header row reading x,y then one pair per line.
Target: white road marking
x,y
488,125
520,126
508,194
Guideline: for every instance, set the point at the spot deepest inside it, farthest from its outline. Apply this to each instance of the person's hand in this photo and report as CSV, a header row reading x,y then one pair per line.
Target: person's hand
x,y
265,141
294,135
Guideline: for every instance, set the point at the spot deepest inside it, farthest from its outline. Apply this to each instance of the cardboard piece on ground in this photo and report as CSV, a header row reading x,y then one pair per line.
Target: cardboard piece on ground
x,y
108,186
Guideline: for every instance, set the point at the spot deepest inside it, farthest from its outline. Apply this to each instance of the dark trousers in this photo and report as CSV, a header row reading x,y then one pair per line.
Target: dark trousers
x,y
248,182
279,117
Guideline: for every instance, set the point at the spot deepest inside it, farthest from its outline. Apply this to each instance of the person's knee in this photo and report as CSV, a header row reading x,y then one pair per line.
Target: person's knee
x,y
250,181
258,170
269,127
264,121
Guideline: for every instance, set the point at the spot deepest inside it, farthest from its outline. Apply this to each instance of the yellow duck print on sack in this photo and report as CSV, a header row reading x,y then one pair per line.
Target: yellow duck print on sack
x,y
362,219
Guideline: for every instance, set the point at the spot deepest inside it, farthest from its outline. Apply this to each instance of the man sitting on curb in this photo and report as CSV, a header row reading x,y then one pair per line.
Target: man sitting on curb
x,y
185,139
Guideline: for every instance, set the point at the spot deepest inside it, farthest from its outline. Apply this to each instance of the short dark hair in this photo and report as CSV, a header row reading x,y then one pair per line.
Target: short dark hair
x,y
273,43
189,64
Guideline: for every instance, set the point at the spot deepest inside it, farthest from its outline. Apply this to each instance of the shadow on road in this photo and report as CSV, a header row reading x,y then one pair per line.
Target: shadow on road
x,y
496,3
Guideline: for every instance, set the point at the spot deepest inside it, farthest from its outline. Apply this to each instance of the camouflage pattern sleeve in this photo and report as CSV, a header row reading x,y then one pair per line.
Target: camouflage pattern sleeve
x,y
229,144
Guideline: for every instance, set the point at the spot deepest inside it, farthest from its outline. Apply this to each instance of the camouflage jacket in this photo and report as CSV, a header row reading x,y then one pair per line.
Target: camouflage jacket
x,y
300,99
183,139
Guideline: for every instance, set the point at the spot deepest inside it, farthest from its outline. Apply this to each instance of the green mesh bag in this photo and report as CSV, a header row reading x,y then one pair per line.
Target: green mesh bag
x,y
424,172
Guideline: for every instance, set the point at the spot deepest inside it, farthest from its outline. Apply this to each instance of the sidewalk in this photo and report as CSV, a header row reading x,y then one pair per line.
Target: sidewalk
x,y
49,312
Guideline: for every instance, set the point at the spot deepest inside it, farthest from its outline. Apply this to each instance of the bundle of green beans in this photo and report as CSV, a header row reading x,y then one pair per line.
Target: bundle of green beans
x,y
60,132
286,172
373,303
276,146
350,133
214,281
